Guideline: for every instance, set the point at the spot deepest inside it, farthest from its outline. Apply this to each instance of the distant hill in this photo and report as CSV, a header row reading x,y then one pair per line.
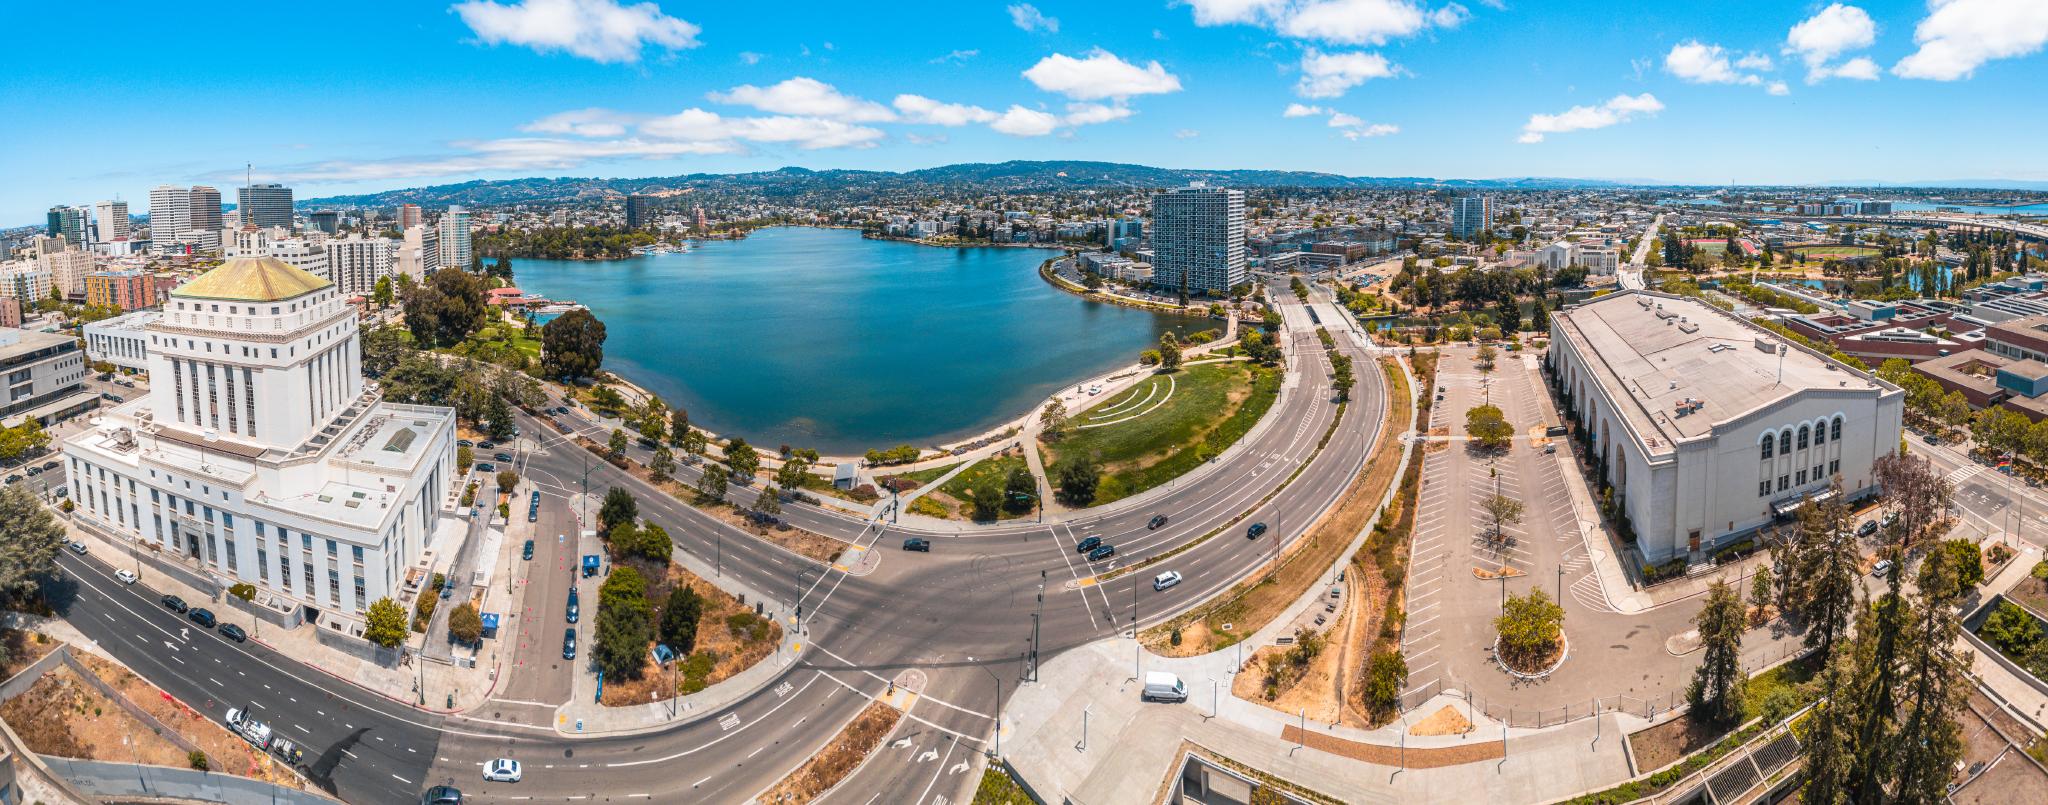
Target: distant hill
x,y
852,186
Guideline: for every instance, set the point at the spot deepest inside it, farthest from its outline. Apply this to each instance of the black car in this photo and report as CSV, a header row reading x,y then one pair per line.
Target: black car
x,y
1087,545
487,467
505,457
1156,521
1868,528
1101,553
465,443
233,632
575,606
1257,530
174,603
568,644
201,616
527,552
487,445
917,544
442,795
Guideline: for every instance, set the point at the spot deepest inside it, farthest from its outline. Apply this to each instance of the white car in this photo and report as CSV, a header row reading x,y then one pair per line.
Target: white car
x,y
1165,580
126,576
502,770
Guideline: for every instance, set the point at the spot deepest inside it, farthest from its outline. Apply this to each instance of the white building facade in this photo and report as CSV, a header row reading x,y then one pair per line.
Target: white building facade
x,y
355,264
1708,427
261,455
1198,240
121,340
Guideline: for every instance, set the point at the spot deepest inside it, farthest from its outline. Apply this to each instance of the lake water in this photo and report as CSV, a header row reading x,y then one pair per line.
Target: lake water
x,y
820,338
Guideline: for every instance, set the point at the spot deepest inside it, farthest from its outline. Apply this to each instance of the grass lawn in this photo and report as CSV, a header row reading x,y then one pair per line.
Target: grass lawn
x,y
1213,405
495,343
921,477
1834,252
998,789
954,493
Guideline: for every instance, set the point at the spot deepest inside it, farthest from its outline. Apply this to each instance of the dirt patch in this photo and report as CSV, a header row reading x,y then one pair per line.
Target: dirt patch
x,y
726,645
1664,744
1446,721
22,649
837,759
1534,662
227,751
1393,755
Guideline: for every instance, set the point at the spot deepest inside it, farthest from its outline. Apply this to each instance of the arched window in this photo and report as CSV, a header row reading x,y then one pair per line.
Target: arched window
x,y
1820,435
1768,443
1785,441
1805,433
1838,428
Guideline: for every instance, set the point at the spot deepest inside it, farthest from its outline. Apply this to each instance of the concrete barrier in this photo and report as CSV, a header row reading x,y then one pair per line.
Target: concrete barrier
x,y
118,780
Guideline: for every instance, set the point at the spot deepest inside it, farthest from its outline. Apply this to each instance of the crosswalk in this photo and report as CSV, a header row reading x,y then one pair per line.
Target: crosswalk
x,y
1963,473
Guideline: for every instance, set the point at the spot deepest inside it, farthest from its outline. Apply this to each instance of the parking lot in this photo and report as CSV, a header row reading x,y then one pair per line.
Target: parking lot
x,y
1461,569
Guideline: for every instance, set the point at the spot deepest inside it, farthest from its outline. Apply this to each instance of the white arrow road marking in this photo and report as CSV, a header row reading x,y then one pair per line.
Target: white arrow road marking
x,y
903,743
957,768
928,756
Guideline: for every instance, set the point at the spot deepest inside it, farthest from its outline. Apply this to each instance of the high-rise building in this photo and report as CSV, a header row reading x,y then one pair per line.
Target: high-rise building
x,y
1198,239
67,270
316,490
205,207
408,216
134,289
112,219
420,252
1470,214
455,238
53,221
45,377
355,264
640,210
74,224
170,213
304,254
25,280
328,221
265,205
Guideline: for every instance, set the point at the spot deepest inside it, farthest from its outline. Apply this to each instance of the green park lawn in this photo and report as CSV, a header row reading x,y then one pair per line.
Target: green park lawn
x,y
954,493
1213,405
1835,252
923,476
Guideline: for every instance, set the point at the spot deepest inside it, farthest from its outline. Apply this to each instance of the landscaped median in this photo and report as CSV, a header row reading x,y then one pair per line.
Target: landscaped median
x,y
810,545
983,492
836,760
1192,416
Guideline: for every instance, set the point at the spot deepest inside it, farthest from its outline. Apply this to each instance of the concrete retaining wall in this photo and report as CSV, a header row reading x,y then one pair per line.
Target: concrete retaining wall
x,y
357,647
111,780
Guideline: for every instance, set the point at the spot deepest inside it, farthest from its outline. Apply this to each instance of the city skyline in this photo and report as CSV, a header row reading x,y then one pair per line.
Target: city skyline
x,y
1754,93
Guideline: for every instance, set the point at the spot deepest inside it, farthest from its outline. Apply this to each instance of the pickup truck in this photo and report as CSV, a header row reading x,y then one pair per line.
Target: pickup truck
x,y
255,732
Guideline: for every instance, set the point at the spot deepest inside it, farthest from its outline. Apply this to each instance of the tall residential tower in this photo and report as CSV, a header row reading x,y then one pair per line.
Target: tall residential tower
x,y
1198,240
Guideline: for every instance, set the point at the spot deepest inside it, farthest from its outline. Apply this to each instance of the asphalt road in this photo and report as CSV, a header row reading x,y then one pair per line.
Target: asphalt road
x,y
958,617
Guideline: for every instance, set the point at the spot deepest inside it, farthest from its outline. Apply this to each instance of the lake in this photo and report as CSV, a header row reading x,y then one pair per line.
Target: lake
x,y
821,338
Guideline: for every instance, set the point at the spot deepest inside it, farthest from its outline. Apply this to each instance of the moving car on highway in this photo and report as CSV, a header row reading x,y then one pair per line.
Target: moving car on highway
x,y
1257,530
1101,552
502,770
1088,544
917,544
1156,521
1165,580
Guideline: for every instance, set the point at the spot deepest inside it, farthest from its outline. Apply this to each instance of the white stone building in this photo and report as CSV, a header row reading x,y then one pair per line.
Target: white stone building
x,y
260,453
1707,426
122,340
355,264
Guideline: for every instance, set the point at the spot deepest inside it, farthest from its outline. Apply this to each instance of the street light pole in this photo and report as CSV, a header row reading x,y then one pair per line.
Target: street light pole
x,y
999,707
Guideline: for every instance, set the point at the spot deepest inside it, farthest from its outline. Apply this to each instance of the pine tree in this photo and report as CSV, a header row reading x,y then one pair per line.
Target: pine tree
x,y
1937,688
1827,738
1716,691
1826,558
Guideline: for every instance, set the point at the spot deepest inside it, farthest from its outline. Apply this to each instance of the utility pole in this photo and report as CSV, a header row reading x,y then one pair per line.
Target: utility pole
x,y
1036,618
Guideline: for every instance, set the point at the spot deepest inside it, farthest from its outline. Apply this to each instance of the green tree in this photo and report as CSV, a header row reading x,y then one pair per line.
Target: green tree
x,y
1053,422
1020,490
1828,742
572,346
654,428
1716,690
29,538
1169,351
987,496
1968,561
790,476
464,457
1760,589
1501,510
616,445
507,479
445,310
1487,426
742,458
1385,678
766,505
625,624
678,424
1825,560
619,507
1529,627
243,590
662,464
382,295
464,625
1936,683
711,484
679,619
694,444
501,425
384,624
1078,479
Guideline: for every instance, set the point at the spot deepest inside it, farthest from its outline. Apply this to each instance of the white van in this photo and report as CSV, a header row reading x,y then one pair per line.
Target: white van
x,y
1161,686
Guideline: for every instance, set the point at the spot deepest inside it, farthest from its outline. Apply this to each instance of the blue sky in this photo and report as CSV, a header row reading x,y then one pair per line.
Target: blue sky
x,y
374,95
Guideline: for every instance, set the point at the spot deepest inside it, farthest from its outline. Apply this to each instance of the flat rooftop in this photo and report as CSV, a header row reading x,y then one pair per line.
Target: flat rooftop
x,y
1661,351
15,341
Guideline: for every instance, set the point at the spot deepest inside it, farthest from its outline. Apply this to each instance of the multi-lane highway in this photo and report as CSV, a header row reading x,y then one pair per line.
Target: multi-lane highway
x,y
951,624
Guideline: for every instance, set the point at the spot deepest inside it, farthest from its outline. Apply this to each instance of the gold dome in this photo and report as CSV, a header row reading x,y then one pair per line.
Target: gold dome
x,y
252,279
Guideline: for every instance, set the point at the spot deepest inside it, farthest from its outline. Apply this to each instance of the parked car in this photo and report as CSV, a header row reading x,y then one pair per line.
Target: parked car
x,y
1257,530
126,576
465,443
1087,543
35,470
1883,566
1868,528
1161,686
174,603
527,551
487,445
569,644
233,632
487,467
1101,552
505,457
575,606
76,547
1156,521
442,795
917,544
14,477
1165,580
202,616
502,770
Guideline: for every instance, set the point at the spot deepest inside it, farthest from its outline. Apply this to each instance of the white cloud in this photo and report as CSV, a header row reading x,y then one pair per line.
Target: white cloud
x,y
957,57
920,109
1186,134
1330,75
1778,88
1229,12
1700,63
1302,110
1021,122
1027,17
582,123
1861,68
1354,22
1086,114
1618,109
1357,129
925,139
806,97
808,133
599,30
1100,75
1958,36
1754,61
1836,30
750,58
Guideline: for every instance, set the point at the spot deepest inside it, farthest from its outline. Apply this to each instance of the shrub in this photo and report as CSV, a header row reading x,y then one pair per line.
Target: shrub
x,y
864,493
196,759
